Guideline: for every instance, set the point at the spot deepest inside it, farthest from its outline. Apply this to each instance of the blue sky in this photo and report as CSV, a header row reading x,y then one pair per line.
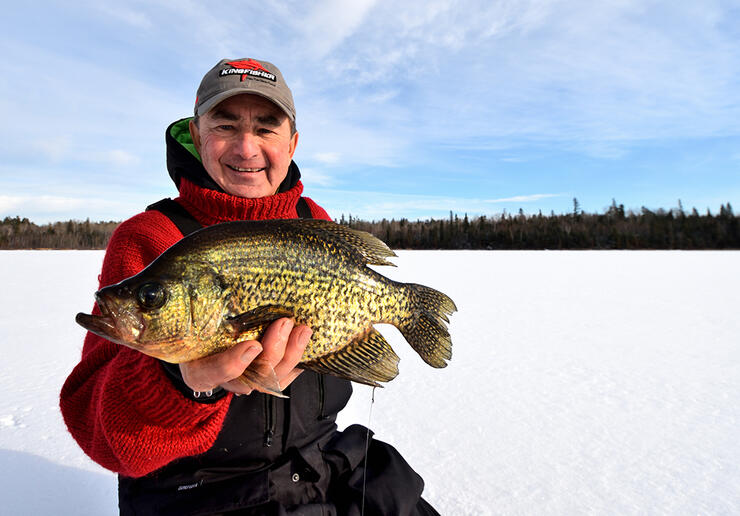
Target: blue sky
x,y
405,109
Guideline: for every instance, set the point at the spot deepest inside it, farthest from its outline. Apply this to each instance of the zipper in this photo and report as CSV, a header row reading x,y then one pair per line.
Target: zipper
x,y
269,419
321,397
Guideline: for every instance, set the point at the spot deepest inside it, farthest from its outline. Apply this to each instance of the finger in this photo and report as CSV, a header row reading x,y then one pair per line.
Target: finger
x,y
275,339
209,372
297,341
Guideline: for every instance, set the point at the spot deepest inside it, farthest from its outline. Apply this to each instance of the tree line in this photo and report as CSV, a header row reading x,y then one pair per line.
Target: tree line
x,y
616,228
613,229
20,233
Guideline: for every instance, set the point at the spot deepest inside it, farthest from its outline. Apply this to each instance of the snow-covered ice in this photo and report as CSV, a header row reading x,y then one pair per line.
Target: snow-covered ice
x,y
581,383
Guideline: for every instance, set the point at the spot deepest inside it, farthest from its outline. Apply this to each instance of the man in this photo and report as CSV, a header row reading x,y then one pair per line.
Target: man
x,y
190,439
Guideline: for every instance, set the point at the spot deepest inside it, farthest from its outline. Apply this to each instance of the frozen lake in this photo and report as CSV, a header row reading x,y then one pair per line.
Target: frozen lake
x,y
581,383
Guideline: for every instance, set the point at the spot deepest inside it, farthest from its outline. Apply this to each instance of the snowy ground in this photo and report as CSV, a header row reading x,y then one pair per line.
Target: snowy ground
x,y
581,383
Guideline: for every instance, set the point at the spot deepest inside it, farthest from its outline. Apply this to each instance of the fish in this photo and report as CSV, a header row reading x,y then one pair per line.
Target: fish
x,y
225,283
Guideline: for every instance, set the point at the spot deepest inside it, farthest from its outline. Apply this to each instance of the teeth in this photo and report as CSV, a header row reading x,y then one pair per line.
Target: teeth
x,y
239,169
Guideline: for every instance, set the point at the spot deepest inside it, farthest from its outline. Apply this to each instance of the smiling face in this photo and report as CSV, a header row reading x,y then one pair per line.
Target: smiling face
x,y
246,145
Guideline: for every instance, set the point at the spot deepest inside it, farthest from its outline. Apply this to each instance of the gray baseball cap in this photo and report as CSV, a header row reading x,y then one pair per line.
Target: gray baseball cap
x,y
235,76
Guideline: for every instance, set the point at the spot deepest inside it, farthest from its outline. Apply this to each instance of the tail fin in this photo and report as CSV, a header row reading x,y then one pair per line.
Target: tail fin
x,y
425,327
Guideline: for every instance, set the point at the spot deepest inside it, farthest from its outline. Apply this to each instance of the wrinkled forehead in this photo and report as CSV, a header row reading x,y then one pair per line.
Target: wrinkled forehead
x,y
248,106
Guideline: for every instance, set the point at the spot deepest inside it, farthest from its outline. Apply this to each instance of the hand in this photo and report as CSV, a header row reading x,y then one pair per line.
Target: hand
x,y
282,346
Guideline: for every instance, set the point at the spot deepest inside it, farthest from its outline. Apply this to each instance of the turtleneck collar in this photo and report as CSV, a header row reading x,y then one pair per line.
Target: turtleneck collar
x,y
213,207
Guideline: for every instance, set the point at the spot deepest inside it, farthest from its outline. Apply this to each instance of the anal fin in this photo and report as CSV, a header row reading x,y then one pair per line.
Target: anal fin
x,y
261,377
368,359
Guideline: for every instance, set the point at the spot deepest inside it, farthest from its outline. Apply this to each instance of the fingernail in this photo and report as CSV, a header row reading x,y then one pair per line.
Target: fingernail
x,y
250,354
306,334
286,328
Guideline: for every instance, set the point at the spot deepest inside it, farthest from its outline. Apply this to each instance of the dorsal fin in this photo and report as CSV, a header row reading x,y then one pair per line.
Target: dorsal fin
x,y
366,247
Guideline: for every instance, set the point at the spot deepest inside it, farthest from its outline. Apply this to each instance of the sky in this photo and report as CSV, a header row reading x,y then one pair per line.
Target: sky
x,y
405,109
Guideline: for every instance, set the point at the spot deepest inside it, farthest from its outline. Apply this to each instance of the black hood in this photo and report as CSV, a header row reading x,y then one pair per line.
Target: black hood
x,y
183,160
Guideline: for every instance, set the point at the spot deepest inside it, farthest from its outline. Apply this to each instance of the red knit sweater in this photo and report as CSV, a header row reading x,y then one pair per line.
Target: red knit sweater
x,y
118,403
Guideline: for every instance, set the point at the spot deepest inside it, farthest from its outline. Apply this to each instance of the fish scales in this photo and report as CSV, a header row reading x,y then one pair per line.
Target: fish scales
x,y
225,283
346,309
315,281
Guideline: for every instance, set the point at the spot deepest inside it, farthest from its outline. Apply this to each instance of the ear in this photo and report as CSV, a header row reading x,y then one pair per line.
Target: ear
x,y
293,143
195,135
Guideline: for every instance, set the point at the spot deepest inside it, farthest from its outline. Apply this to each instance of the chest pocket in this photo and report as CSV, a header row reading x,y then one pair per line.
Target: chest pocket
x,y
333,393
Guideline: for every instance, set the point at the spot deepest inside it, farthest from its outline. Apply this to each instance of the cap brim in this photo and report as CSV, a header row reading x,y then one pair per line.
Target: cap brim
x,y
209,104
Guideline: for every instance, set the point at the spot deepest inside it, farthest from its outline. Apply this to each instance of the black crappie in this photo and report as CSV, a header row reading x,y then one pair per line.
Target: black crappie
x,y
225,283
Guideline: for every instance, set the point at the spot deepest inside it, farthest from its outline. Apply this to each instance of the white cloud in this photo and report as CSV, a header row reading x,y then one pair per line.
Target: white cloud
x,y
311,176
568,73
35,206
378,205
521,198
327,157
121,157
10,204
360,144
136,18
61,148
55,148
331,21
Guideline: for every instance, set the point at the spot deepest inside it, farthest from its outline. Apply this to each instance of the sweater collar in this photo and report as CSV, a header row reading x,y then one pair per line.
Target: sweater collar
x,y
212,207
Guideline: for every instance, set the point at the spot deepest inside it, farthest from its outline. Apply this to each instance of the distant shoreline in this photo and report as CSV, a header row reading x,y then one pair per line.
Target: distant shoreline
x,y
614,229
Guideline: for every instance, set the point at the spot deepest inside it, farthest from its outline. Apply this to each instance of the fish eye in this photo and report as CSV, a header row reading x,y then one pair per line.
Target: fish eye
x,y
151,295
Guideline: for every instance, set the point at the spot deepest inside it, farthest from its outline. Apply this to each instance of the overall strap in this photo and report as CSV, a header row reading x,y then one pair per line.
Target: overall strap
x,y
303,210
179,216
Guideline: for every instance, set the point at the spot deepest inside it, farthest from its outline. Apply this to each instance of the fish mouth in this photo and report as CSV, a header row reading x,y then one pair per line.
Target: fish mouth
x,y
99,325
103,325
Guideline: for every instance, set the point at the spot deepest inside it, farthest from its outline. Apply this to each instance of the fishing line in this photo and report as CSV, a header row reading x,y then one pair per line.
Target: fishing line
x,y
367,445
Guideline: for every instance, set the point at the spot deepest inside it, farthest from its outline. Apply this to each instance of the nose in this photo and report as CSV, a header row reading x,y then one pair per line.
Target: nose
x,y
246,145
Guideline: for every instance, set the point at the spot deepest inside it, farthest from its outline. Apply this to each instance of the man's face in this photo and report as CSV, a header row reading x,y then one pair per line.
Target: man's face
x,y
245,145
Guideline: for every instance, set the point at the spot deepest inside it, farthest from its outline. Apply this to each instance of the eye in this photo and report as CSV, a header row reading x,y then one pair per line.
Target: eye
x,y
151,295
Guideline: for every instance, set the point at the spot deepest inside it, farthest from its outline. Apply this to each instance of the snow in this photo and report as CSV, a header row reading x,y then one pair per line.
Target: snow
x,y
581,383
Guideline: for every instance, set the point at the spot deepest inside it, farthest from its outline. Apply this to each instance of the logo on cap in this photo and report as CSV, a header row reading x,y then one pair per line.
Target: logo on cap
x,y
247,67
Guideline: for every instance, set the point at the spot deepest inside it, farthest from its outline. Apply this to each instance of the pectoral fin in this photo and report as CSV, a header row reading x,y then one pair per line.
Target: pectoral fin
x,y
252,324
261,377
368,359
